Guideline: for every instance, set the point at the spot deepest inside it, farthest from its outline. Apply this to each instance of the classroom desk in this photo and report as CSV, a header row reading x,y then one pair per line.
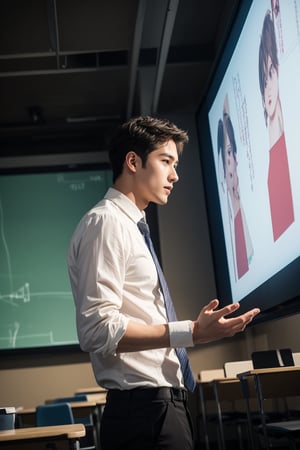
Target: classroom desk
x,y
90,390
228,390
204,394
37,438
270,383
99,397
79,409
217,391
92,408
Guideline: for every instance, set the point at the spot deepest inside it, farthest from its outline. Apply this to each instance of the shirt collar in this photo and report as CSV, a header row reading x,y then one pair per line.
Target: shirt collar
x,y
125,204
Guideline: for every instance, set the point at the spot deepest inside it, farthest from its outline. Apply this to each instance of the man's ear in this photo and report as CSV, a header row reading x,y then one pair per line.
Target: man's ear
x,y
131,160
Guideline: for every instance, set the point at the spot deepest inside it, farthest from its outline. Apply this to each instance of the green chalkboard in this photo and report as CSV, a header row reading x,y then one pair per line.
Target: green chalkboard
x,y
38,214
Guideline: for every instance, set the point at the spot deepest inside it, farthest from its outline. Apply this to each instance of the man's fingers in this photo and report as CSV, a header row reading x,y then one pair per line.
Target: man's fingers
x,y
226,310
211,306
239,323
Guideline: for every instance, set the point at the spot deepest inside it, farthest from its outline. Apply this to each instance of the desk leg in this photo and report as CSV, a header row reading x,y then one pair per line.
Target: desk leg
x,y
261,410
219,411
202,412
245,391
97,422
74,444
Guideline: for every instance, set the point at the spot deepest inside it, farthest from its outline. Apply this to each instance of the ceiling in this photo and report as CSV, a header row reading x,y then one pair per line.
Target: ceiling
x,y
71,70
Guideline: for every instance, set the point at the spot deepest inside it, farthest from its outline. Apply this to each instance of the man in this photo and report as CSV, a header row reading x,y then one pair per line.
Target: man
x,y
121,312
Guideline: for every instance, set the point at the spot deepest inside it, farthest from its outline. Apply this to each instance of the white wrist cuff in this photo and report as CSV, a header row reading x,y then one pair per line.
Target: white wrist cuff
x,y
181,334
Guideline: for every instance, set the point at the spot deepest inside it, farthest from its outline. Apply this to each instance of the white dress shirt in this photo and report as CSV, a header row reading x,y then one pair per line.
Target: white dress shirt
x,y
114,280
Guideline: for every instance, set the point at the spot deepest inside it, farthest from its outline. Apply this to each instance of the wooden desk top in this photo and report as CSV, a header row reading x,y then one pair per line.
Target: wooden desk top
x,y
227,389
85,405
269,370
99,398
79,409
74,431
90,390
274,382
89,404
224,380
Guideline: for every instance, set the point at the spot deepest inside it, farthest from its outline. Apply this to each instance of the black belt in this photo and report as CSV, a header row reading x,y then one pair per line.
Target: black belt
x,y
148,394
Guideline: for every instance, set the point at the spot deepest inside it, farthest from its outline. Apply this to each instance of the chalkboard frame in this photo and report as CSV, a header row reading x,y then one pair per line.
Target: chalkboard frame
x,y
34,166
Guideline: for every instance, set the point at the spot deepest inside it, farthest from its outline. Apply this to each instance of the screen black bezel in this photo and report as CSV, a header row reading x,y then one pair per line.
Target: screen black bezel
x,y
279,296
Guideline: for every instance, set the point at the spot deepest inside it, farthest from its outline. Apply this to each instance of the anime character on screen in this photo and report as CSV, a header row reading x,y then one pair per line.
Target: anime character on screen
x,y
279,184
227,149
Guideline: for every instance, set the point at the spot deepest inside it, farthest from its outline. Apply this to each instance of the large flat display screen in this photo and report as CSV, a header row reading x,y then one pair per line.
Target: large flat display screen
x,y
251,157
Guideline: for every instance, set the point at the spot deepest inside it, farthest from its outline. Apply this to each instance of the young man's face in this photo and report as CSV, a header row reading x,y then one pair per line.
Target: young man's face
x,y
271,88
230,167
154,181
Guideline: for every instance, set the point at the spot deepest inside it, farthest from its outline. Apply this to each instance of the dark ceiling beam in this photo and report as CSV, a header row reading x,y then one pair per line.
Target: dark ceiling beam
x,y
134,55
35,72
53,29
147,56
163,51
96,62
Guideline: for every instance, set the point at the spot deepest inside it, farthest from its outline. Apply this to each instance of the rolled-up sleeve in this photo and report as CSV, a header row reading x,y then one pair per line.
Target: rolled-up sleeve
x,y
96,262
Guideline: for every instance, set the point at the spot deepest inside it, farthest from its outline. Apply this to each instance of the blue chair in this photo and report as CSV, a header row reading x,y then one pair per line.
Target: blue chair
x,y
61,414
76,398
7,418
54,414
88,421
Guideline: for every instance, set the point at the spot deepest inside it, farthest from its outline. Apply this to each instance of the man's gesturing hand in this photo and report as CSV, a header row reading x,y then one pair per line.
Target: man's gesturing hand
x,y
212,323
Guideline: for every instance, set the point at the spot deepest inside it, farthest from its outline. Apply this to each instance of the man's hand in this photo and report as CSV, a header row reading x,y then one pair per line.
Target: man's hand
x,y
212,324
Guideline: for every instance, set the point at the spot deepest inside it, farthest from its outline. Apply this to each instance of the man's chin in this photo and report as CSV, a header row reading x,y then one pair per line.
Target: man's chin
x,y
162,201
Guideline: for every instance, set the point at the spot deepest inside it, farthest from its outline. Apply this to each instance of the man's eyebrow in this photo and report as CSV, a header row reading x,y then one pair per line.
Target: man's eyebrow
x,y
169,155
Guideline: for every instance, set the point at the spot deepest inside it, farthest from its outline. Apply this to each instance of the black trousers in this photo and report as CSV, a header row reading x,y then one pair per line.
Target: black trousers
x,y
146,419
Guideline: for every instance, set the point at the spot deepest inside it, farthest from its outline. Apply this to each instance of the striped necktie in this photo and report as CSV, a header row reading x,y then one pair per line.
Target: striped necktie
x,y
182,355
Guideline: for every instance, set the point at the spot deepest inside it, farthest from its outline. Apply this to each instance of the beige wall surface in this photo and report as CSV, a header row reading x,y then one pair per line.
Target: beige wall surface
x,y
29,387
187,261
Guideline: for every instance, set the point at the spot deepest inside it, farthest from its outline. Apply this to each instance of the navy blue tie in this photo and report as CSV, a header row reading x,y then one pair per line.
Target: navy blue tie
x,y
188,376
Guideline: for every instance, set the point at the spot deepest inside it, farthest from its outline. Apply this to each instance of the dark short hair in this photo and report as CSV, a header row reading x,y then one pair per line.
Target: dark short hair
x,y
267,47
220,142
227,125
142,135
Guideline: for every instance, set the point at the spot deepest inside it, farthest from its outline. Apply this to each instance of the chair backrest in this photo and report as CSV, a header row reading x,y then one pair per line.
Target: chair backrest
x,y
54,414
272,358
76,398
232,368
7,418
296,358
211,374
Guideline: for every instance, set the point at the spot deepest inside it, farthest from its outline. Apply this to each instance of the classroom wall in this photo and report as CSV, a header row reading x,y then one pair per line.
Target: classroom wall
x,y
186,256
29,386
